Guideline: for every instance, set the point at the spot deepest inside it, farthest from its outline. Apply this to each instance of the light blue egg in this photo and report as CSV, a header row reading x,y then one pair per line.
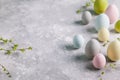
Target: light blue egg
x,y
78,41
102,20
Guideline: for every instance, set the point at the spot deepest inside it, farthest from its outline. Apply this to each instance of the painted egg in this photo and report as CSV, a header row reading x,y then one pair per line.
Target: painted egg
x,y
103,34
117,26
86,17
100,6
102,20
113,51
112,12
99,61
78,41
92,48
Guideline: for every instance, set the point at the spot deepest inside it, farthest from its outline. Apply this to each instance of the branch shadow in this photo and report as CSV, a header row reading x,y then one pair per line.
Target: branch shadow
x,y
92,12
16,54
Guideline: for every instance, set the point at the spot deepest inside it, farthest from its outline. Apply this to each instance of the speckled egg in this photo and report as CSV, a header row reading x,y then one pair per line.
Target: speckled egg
x,y
86,17
78,41
92,48
102,20
100,6
99,61
113,51
103,34
113,13
117,26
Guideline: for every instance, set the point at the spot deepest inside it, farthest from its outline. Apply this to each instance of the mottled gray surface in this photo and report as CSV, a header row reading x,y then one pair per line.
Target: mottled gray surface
x,y
45,25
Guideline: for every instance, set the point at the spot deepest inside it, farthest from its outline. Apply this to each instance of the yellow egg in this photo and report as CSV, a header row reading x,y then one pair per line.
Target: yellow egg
x,y
103,34
117,26
100,6
113,51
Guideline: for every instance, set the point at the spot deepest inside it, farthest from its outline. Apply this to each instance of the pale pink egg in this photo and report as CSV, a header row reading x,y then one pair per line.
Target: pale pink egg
x,y
99,61
112,12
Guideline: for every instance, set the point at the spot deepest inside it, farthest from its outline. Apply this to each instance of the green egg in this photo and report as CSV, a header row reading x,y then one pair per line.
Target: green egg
x,y
117,26
100,6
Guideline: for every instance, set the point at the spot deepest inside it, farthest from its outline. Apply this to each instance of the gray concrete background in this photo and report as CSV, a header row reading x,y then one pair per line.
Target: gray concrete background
x,y
45,25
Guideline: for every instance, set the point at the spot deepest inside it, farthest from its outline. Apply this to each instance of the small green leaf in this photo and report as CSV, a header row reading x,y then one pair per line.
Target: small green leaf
x,y
5,41
93,1
10,40
22,50
4,69
1,49
118,39
100,79
29,48
78,11
88,4
102,73
1,38
9,76
8,52
15,47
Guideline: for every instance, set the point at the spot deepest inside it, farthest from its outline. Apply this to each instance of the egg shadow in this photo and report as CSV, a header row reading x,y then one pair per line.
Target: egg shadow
x,y
70,47
91,30
113,31
100,41
86,60
79,22
82,57
108,60
90,67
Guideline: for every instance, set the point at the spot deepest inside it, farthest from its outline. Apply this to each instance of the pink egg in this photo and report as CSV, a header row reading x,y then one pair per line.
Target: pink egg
x,y
112,12
99,61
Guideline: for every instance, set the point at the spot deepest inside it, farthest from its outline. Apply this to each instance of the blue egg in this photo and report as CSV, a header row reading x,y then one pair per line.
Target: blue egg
x,y
78,41
102,20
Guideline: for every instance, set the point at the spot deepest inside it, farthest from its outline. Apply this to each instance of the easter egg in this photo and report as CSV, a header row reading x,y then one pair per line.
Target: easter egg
x,y
99,61
112,12
100,6
86,17
92,48
113,51
102,20
117,26
103,34
78,41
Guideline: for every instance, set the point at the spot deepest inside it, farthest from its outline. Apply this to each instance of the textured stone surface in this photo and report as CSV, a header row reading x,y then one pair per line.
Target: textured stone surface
x,y
45,25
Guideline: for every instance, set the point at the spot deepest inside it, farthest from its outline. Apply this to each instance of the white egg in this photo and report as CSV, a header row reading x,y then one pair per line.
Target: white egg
x,y
86,17
92,48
